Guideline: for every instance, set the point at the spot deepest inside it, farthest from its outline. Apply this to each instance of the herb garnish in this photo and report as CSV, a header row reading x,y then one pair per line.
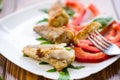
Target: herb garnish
x,y
40,39
68,48
69,11
43,20
44,10
75,67
43,40
103,20
43,63
1,5
64,74
0,78
46,42
25,55
52,70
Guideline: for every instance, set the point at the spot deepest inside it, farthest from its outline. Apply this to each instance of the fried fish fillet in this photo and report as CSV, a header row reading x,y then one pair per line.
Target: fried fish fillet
x,y
55,35
55,55
63,35
90,28
57,16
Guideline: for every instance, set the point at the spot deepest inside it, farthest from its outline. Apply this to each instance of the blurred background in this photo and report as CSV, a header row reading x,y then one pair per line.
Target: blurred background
x,y
9,6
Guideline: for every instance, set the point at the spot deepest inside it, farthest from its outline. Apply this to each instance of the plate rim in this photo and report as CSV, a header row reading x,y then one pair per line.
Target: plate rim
x,y
27,8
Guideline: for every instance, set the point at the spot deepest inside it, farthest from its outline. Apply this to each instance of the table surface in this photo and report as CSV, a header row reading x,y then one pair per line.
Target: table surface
x,y
10,71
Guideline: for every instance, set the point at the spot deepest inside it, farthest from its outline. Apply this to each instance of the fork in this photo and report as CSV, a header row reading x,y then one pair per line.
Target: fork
x,y
102,44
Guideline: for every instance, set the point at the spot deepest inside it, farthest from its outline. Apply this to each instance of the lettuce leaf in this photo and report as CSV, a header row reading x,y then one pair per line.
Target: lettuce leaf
x,y
104,20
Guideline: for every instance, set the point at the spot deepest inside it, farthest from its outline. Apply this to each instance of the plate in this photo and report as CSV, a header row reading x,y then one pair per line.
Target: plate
x,y
16,31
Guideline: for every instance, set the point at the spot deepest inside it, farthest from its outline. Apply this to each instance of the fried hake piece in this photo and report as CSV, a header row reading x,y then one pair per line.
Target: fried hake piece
x,y
55,55
90,28
55,35
57,16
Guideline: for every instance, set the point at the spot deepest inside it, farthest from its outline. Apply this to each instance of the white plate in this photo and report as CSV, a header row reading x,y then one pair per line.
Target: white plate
x,y
16,32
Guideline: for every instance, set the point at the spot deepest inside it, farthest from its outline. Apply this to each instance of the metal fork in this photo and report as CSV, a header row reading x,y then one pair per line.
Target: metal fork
x,y
102,44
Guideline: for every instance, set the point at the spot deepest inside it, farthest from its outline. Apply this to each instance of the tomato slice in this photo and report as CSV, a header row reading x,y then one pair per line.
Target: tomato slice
x,y
114,34
75,5
79,18
93,9
79,8
83,56
87,46
118,44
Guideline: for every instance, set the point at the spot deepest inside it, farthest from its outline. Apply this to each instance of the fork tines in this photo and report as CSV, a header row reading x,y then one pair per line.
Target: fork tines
x,y
99,41
102,44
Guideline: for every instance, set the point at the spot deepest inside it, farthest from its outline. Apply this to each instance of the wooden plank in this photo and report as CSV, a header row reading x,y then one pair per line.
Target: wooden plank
x,y
8,7
13,72
2,65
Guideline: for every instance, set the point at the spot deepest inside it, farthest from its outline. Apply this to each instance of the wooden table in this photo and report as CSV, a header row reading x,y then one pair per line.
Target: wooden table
x,y
10,71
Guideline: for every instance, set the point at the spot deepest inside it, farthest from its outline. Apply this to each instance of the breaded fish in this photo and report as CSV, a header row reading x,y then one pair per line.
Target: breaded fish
x,y
55,35
57,16
55,55
82,34
63,35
